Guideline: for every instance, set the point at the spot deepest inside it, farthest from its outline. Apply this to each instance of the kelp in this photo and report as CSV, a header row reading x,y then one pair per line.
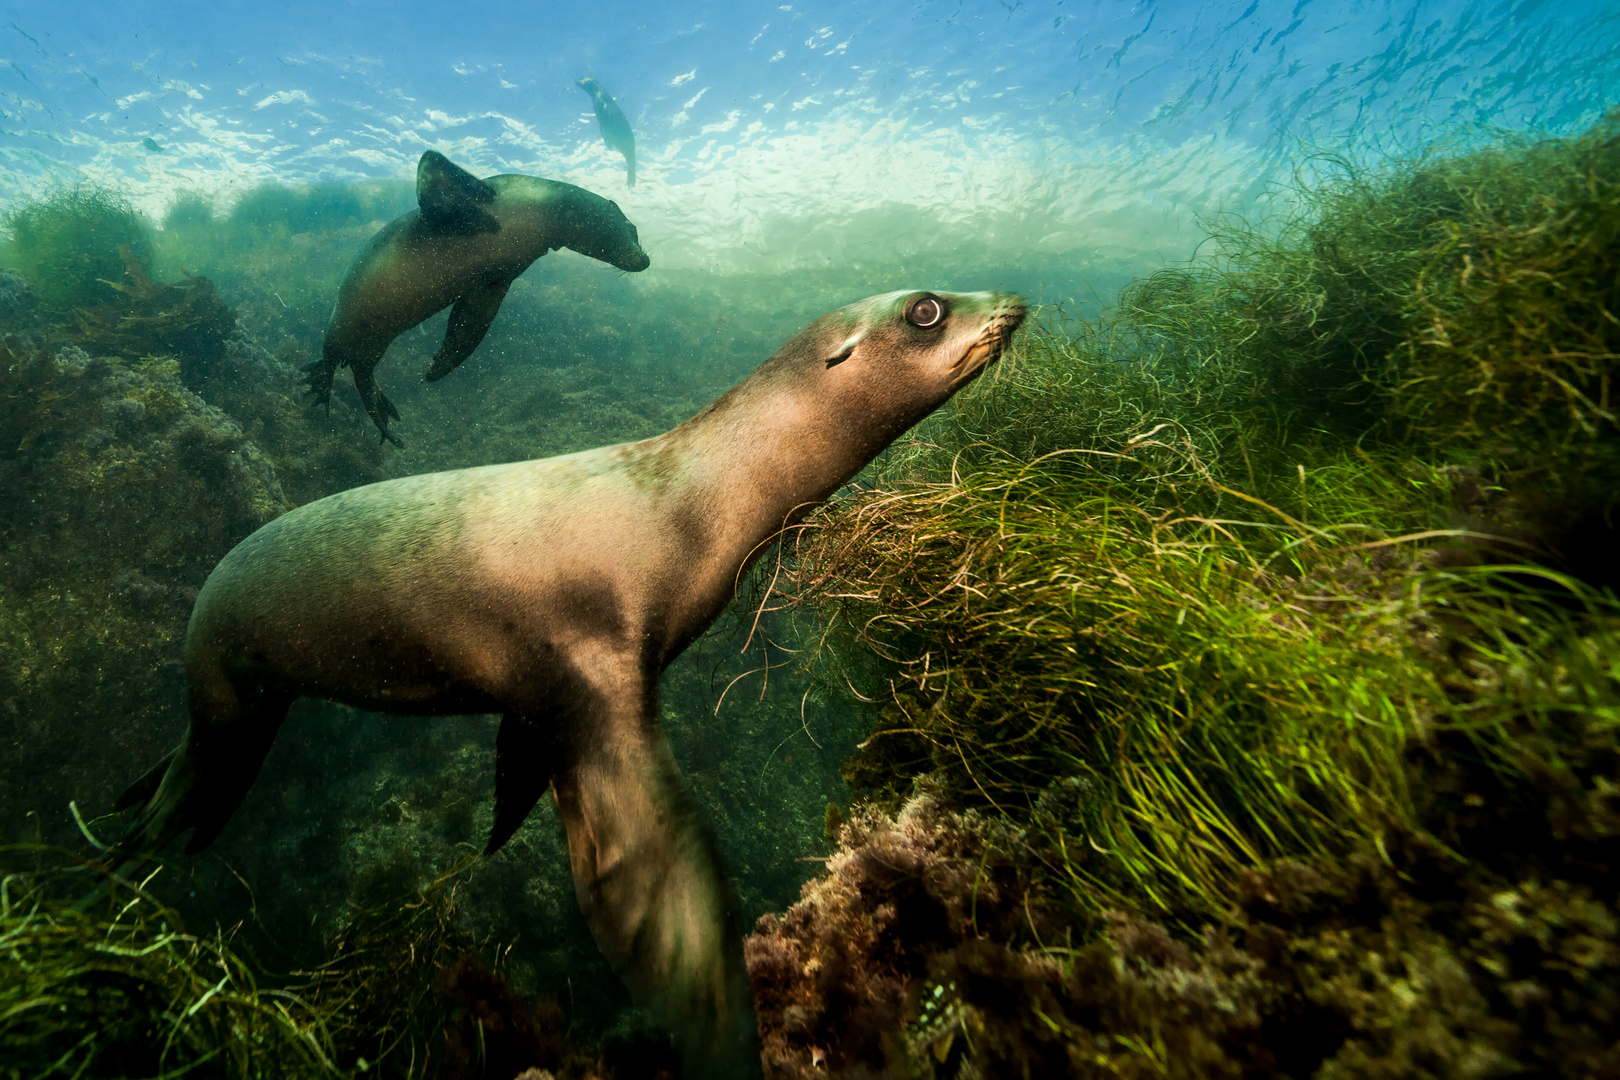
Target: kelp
x,y
120,989
66,244
1258,633
113,985
186,319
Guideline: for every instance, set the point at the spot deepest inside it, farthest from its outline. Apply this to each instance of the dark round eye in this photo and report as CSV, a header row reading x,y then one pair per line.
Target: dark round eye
x,y
926,312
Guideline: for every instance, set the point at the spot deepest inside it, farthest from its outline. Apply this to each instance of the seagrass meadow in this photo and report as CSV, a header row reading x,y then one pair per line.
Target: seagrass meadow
x,y
1251,648
1226,684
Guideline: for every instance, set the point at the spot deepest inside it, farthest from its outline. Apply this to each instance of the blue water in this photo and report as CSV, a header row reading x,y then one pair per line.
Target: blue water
x,y
1020,135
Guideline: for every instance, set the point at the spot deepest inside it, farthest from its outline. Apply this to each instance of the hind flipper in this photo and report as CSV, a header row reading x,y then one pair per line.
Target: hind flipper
x,y
378,407
167,812
524,757
143,789
206,779
469,322
318,381
386,410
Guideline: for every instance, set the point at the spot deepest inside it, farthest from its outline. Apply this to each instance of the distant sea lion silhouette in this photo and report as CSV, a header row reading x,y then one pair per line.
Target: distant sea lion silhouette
x,y
556,592
616,133
465,244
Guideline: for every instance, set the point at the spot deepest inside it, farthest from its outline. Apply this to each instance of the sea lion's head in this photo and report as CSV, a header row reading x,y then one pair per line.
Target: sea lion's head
x,y
895,358
596,227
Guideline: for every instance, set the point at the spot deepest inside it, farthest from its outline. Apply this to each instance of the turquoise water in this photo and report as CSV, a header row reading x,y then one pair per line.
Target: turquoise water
x,y
1014,144
790,158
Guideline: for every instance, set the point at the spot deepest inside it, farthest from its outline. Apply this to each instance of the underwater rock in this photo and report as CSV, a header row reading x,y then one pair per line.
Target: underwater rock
x,y
121,488
839,977
907,959
72,360
17,301
1483,940
248,361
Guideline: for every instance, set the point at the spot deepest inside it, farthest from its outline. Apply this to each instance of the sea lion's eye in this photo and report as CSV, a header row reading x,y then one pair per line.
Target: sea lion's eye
x,y
926,312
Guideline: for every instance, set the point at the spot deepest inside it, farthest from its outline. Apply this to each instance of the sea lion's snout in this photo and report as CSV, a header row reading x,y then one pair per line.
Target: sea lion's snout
x,y
634,260
917,347
979,327
1005,317
601,231
633,257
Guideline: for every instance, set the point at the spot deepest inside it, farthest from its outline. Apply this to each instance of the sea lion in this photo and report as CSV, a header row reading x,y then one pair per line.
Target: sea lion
x,y
465,244
610,120
556,592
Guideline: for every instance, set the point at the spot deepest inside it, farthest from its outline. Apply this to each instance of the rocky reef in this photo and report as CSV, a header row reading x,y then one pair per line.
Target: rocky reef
x,y
119,488
1225,685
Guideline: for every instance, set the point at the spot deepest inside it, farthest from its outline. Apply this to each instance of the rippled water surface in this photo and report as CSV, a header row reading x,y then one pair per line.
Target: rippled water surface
x,y
1021,141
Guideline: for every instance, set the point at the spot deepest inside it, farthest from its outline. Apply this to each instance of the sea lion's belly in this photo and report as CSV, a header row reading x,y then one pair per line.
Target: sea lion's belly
x,y
407,276
461,592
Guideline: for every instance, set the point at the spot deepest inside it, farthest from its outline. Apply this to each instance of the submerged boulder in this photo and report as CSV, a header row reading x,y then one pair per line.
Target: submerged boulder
x,y
18,302
119,490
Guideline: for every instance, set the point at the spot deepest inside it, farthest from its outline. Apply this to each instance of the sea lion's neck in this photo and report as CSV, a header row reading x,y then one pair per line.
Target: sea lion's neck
x,y
561,212
752,464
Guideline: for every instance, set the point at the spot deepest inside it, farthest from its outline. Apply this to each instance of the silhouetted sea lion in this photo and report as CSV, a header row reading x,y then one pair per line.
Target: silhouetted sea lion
x,y
465,244
610,119
556,592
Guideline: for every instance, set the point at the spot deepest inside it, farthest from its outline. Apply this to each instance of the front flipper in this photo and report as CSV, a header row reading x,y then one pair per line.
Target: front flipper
x,y
524,757
469,322
647,875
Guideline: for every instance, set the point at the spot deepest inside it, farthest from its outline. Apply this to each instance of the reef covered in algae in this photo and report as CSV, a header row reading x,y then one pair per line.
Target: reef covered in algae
x,y
1254,703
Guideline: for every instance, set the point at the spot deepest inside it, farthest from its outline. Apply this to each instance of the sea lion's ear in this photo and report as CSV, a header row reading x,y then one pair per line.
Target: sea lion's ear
x,y
845,351
452,198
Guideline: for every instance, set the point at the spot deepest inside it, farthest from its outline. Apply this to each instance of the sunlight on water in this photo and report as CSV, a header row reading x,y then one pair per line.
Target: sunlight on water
x,y
801,135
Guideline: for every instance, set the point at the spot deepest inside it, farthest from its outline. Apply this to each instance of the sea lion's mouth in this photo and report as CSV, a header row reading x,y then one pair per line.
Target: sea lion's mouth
x,y
991,342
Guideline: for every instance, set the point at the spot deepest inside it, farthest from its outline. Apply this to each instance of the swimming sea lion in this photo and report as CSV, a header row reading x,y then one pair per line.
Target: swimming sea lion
x,y
465,244
610,120
556,592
